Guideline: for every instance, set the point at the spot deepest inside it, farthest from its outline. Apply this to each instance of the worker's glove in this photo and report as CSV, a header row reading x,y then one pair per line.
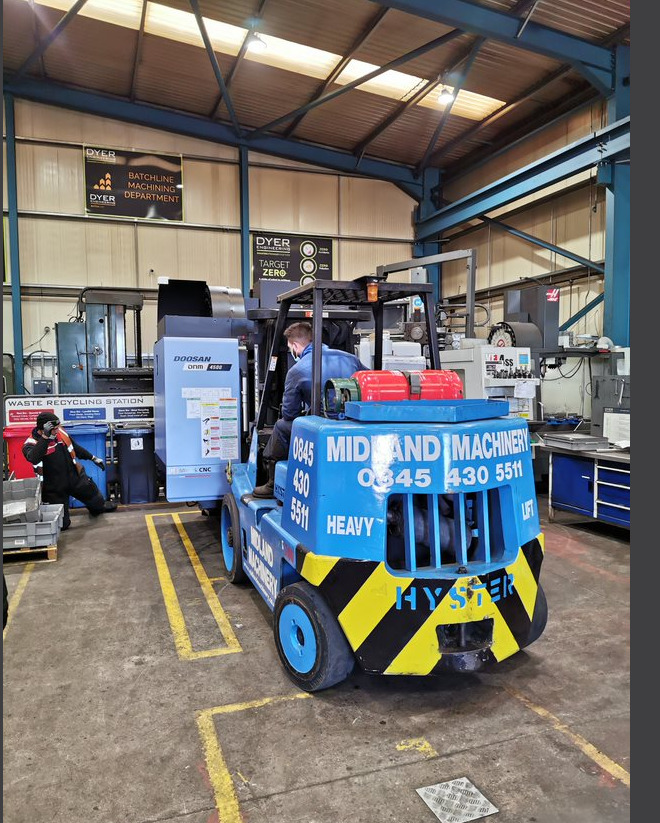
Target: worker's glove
x,y
48,429
98,462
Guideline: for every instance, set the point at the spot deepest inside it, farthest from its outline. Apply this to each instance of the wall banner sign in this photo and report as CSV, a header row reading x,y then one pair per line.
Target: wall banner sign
x,y
133,184
80,408
291,257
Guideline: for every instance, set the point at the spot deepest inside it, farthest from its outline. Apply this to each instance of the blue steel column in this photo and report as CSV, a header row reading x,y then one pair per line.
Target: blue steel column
x,y
616,176
14,262
245,221
429,204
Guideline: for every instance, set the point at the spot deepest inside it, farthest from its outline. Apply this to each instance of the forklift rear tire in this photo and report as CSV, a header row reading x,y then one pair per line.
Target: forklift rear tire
x,y
539,618
231,539
309,641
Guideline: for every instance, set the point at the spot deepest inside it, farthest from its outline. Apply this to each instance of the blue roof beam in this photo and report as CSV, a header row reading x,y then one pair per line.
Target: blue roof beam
x,y
142,114
594,62
50,39
612,142
416,98
610,40
393,64
584,311
138,49
215,66
362,38
458,85
536,241
239,58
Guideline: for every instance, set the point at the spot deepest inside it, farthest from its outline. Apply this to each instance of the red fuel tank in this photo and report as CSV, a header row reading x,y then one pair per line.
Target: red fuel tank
x,y
382,385
434,384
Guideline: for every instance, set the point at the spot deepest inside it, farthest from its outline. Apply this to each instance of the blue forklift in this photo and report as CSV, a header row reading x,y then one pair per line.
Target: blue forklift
x,y
404,531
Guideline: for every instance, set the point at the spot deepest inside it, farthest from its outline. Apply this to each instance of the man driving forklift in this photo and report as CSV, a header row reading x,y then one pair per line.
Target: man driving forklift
x,y
298,393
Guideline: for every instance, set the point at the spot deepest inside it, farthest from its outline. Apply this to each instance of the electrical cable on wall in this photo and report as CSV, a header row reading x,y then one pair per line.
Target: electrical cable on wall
x,y
563,376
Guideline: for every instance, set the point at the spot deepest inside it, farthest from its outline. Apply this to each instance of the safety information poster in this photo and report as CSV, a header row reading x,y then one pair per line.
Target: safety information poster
x,y
616,425
195,396
219,420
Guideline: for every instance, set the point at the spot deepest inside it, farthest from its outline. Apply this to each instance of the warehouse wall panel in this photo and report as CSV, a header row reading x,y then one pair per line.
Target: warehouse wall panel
x,y
293,201
211,193
356,259
555,137
372,208
50,178
44,122
76,252
37,314
258,159
188,254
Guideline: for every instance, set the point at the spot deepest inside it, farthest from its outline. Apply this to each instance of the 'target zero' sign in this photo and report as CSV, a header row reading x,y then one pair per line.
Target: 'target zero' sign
x,y
291,257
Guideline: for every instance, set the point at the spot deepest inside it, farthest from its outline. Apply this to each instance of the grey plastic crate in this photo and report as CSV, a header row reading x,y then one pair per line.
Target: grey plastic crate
x,y
21,500
42,533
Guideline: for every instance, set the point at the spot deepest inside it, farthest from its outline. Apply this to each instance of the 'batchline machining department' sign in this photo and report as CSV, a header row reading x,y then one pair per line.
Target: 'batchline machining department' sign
x,y
133,184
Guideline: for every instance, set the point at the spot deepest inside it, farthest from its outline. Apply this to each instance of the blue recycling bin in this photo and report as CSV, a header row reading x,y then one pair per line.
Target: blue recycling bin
x,y
93,438
136,465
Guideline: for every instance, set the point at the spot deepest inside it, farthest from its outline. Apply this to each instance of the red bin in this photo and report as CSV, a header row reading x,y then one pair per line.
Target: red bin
x,y
15,437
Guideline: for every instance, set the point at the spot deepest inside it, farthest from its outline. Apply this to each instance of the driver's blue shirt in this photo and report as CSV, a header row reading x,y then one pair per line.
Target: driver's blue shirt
x,y
298,385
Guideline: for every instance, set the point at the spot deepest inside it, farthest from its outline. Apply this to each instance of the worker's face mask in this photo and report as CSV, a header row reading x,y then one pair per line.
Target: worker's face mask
x,y
293,354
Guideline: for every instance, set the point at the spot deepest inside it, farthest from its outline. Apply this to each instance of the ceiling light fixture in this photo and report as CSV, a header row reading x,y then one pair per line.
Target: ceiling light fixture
x,y
445,95
255,43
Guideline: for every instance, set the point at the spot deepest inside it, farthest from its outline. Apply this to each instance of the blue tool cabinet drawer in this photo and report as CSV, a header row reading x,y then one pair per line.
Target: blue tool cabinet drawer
x,y
573,483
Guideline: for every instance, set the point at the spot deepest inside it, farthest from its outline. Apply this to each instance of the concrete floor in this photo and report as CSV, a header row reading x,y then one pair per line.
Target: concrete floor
x,y
106,722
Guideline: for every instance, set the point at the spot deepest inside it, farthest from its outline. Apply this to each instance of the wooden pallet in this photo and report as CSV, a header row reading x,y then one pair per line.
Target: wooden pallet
x,y
37,554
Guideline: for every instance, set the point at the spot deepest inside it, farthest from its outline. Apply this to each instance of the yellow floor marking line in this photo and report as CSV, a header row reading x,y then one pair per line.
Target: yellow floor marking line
x,y
419,744
182,640
584,745
226,799
207,588
15,599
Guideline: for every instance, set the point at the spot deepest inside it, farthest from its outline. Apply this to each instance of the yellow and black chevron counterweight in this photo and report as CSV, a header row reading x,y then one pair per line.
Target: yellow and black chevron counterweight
x,y
423,625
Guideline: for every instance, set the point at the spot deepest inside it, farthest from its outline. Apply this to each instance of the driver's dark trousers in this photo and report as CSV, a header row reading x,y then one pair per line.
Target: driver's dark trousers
x,y
277,447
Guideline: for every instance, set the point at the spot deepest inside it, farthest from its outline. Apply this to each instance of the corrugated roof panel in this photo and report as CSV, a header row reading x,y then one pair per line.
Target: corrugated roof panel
x,y
346,121
93,55
588,19
400,33
330,26
502,71
407,139
261,93
18,38
177,75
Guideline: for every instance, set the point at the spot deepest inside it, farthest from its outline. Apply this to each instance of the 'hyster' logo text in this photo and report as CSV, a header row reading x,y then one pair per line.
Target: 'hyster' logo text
x,y
179,358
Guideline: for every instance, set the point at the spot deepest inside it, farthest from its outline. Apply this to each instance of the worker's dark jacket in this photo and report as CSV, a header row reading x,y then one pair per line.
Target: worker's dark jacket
x,y
298,393
60,476
298,385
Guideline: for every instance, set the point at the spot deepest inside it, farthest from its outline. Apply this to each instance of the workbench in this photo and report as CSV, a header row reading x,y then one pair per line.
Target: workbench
x,y
592,483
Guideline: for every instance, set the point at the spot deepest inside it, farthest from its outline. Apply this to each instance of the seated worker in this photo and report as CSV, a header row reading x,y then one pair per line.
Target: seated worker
x,y
298,393
55,456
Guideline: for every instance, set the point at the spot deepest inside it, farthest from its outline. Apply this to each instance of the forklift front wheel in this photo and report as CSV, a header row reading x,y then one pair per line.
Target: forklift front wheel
x,y
230,539
311,646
